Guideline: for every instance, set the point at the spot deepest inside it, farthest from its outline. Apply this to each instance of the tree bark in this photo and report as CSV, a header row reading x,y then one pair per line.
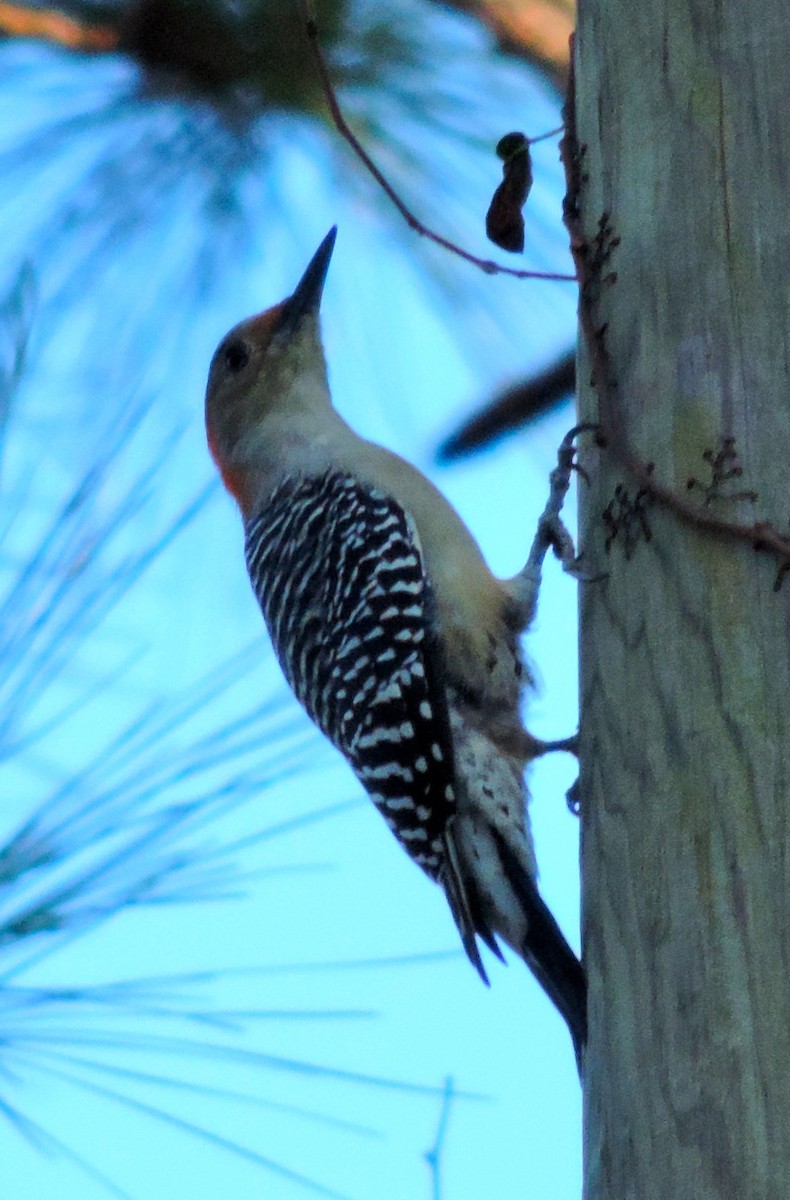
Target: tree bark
x,y
685,647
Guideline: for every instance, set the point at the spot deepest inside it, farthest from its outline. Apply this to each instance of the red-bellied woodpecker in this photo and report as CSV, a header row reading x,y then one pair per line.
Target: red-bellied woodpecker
x,y
390,629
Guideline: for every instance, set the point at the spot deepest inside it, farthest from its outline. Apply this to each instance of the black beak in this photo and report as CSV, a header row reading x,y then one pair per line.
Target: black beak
x,y
307,295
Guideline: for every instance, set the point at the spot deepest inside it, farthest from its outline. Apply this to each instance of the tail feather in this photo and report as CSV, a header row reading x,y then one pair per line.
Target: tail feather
x,y
544,948
466,908
546,951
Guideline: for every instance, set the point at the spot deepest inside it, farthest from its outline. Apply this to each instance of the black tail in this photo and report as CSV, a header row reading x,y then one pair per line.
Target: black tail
x,y
546,952
465,907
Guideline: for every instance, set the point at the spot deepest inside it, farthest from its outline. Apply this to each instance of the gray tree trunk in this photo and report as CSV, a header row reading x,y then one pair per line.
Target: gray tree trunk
x,y
684,109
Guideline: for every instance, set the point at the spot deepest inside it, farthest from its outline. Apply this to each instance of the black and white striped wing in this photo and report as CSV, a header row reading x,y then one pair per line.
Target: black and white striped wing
x,y
338,572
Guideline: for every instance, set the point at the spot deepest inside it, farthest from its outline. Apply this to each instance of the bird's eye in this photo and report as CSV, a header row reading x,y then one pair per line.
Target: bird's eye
x,y
235,356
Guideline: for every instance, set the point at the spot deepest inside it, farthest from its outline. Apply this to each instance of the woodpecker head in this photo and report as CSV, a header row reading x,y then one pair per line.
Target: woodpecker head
x,y
267,372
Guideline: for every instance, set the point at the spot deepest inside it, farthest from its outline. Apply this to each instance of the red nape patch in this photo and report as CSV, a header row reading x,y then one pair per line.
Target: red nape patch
x,y
234,478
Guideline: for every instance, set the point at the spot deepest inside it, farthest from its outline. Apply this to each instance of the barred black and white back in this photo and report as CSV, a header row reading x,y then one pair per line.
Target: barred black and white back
x,y
338,574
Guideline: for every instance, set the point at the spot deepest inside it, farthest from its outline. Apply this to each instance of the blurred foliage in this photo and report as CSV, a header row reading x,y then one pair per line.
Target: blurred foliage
x,y
155,814
221,44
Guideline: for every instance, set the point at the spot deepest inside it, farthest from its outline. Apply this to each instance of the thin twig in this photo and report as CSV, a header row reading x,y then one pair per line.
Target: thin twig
x,y
433,1157
541,137
761,535
484,264
552,533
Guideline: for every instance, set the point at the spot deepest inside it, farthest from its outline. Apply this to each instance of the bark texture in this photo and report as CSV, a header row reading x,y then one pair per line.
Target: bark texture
x,y
686,646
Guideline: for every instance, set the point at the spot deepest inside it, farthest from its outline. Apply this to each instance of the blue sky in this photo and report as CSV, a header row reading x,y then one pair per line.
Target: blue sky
x,y
292,986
